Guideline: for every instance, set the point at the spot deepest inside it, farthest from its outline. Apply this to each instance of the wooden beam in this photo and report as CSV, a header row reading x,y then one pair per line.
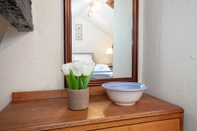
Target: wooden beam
x,y
18,13
110,3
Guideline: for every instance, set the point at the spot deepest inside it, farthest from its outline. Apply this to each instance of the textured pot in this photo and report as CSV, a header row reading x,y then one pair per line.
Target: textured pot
x,y
78,99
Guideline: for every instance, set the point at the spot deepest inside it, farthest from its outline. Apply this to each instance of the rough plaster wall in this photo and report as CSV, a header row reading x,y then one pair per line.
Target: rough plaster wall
x,y
170,54
32,61
3,27
122,38
93,41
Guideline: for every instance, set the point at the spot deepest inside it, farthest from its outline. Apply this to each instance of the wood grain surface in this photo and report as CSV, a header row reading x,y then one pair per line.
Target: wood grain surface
x,y
102,113
36,95
173,125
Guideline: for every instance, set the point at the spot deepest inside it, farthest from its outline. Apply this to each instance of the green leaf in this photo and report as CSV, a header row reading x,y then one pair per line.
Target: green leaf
x,y
84,81
68,80
87,80
81,82
77,83
74,81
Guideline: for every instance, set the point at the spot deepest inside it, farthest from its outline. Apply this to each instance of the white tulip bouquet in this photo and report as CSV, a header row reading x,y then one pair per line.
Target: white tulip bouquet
x,y
78,74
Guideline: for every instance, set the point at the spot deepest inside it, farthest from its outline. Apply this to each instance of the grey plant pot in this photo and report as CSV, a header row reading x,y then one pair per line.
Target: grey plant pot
x,y
78,99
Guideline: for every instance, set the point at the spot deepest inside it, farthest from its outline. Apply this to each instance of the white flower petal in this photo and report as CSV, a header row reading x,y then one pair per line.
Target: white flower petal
x,y
77,68
66,69
88,68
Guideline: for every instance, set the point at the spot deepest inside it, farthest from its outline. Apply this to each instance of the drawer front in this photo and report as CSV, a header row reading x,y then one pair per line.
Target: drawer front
x,y
165,125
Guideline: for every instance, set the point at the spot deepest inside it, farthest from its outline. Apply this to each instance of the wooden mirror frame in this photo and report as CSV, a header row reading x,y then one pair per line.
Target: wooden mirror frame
x,y
68,44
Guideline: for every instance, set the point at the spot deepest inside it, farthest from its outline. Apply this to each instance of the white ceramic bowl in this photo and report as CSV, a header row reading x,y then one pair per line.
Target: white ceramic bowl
x,y
124,93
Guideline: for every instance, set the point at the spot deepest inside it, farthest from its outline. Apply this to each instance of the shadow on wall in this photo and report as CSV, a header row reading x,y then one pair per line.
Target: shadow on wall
x,y
8,34
3,27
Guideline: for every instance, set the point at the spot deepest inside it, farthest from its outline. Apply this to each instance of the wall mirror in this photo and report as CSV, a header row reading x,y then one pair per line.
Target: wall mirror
x,y
105,32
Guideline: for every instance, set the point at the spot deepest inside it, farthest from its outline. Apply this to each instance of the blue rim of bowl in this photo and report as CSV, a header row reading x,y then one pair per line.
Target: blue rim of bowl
x,y
143,86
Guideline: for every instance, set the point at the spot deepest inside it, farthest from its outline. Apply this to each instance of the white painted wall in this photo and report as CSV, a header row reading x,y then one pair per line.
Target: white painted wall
x,y
32,60
93,41
122,38
3,27
170,54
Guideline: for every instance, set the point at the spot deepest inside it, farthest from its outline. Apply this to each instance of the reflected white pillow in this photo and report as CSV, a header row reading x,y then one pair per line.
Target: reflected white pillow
x,y
101,67
82,57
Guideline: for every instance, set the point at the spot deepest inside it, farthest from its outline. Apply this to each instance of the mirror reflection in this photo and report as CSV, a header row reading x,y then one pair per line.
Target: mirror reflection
x,y
102,33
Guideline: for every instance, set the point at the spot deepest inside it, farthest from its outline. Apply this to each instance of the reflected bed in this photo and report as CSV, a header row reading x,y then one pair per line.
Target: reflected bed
x,y
101,70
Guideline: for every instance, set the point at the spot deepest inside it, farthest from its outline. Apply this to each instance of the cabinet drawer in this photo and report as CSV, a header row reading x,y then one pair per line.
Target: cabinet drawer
x,y
165,125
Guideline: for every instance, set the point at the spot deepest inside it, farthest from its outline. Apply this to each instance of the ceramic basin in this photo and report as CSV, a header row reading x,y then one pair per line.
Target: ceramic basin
x,y
124,93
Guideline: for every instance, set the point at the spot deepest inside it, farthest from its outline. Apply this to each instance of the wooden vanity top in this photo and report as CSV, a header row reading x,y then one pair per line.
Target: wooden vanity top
x,y
53,113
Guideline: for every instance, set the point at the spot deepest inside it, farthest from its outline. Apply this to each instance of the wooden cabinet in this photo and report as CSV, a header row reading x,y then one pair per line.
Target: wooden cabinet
x,y
166,125
47,110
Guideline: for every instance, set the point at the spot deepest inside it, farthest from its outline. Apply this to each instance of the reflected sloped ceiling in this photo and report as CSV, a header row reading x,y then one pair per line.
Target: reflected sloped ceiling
x,y
101,18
